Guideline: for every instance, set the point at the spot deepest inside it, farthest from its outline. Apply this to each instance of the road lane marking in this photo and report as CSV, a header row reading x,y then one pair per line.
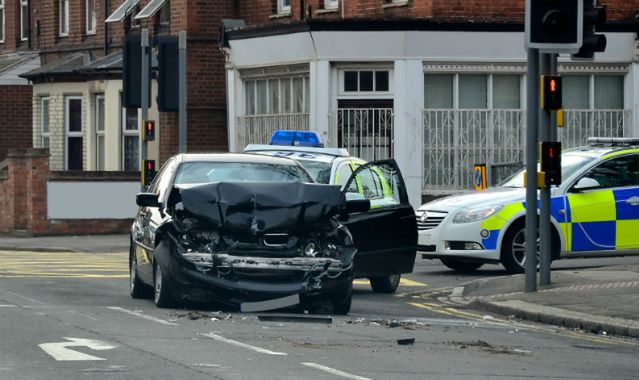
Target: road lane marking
x,y
60,352
220,338
402,281
23,297
143,316
334,371
63,265
8,305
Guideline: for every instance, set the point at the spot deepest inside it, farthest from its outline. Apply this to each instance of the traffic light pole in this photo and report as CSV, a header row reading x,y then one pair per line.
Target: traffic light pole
x,y
144,99
545,229
532,147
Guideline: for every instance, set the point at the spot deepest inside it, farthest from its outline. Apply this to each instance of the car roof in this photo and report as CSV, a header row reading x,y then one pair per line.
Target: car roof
x,y
235,157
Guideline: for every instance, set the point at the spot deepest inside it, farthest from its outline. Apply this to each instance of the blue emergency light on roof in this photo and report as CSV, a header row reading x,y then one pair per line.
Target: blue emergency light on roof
x,y
297,138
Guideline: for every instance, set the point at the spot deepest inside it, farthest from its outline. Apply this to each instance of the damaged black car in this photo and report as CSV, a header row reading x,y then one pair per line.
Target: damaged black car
x,y
247,231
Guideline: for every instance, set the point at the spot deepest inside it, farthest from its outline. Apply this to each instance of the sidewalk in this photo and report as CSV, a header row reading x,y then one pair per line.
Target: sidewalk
x,y
85,243
602,300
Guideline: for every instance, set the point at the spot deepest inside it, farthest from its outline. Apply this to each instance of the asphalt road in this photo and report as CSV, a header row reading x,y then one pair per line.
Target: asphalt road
x,y
69,316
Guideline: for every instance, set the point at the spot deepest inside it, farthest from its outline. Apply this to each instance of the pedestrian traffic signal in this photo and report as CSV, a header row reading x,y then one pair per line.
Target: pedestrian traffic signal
x,y
593,18
148,172
550,92
148,128
553,26
551,162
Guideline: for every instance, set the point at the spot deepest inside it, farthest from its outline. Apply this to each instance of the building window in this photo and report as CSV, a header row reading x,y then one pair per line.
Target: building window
x,y
331,4
277,95
1,21
64,17
73,121
472,91
365,81
24,20
44,122
593,92
130,140
99,132
165,13
283,6
90,9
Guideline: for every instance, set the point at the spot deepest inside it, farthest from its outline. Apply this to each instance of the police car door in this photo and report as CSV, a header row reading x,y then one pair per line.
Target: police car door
x,y
605,213
386,235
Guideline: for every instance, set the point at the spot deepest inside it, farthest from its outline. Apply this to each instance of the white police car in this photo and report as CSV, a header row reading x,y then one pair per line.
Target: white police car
x,y
380,182
594,212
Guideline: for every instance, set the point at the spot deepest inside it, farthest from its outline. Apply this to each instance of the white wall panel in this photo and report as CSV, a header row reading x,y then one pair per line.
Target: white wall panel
x,y
91,200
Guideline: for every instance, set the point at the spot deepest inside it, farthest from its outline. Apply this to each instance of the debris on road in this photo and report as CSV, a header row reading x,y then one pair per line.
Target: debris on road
x,y
406,342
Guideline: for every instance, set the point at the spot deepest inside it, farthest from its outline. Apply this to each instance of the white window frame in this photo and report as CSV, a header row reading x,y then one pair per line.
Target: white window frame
x,y
283,8
44,134
128,133
63,9
68,134
281,111
380,94
91,19
99,133
24,8
331,4
3,21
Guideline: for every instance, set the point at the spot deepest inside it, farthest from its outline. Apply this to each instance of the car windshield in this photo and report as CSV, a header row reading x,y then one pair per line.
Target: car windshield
x,y
207,172
570,163
320,171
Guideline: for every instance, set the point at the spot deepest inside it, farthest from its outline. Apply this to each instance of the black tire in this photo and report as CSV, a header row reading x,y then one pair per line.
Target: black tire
x,y
342,303
385,284
513,248
161,288
461,266
137,289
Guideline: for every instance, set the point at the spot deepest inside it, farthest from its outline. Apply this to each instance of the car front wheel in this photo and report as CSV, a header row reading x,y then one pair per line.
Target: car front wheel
x,y
137,289
385,284
162,288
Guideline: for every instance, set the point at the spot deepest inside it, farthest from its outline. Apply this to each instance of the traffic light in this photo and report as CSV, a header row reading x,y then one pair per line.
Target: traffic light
x,y
554,26
550,94
593,18
148,126
132,71
168,66
551,162
148,172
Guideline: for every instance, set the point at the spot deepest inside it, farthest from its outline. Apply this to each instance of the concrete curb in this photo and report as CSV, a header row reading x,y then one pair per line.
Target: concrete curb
x,y
561,317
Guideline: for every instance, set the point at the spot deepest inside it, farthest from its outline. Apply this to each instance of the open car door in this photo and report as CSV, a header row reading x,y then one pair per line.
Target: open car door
x,y
386,235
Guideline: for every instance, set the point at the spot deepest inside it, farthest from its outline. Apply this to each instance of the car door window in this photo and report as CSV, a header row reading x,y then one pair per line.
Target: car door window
x,y
163,180
380,183
617,172
344,172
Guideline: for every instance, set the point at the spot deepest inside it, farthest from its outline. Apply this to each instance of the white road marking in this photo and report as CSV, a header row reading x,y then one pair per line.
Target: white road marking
x,y
60,352
143,316
8,306
243,345
23,297
335,371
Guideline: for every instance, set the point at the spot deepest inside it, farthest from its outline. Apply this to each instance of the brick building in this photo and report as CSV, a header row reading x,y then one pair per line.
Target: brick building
x,y
437,84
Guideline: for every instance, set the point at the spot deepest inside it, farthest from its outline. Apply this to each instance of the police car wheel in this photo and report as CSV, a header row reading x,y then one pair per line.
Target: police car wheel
x,y
385,284
461,266
513,249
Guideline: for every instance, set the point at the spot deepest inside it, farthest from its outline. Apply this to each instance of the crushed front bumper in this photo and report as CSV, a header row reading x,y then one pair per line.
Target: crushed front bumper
x,y
233,280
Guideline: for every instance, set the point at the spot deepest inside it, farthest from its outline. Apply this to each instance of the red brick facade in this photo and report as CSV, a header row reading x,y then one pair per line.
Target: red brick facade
x,y
23,199
15,111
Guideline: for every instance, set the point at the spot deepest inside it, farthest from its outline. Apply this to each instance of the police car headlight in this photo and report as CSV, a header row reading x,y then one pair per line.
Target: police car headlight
x,y
476,214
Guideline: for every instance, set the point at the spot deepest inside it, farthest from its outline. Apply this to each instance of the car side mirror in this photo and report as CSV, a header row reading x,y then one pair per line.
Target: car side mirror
x,y
586,183
147,200
357,205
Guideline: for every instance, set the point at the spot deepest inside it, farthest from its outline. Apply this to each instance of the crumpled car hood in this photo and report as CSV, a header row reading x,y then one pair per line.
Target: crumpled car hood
x,y
258,207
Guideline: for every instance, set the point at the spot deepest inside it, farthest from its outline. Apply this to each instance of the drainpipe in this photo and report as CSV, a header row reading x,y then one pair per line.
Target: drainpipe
x,y
343,6
106,28
29,25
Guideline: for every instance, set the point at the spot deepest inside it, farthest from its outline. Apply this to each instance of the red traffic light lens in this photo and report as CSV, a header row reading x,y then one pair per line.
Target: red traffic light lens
x,y
553,85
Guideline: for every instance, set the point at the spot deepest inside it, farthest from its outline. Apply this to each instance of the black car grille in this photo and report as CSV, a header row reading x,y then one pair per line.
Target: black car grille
x,y
432,220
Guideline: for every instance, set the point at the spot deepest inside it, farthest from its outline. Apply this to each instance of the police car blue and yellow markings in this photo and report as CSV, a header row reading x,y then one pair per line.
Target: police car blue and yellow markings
x,y
63,264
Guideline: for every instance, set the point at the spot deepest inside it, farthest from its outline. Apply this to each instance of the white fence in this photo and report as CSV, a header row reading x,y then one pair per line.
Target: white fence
x,y
455,140
257,129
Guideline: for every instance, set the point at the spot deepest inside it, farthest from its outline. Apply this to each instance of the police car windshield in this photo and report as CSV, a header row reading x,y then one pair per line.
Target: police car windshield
x,y
570,163
320,171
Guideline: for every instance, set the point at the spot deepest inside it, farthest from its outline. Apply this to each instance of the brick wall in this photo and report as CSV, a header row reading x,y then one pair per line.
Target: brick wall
x,y
15,115
262,11
23,199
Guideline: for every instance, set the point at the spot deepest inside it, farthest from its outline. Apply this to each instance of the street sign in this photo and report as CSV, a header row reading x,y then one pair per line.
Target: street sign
x,y
479,177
